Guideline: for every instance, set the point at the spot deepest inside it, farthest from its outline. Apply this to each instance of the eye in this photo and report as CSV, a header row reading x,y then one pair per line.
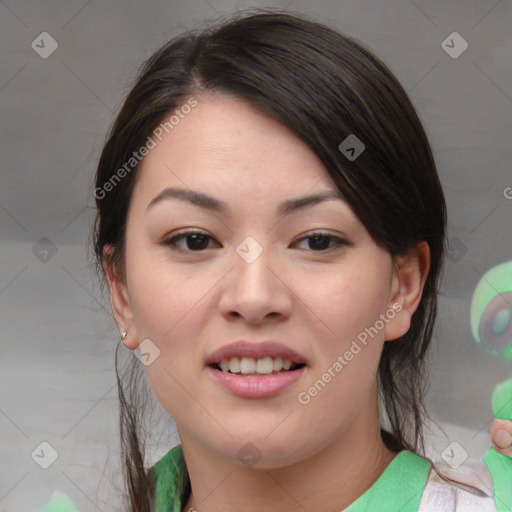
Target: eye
x,y
501,321
320,241
195,241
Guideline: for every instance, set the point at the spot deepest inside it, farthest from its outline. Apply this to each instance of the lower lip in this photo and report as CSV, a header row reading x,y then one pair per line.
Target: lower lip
x,y
256,387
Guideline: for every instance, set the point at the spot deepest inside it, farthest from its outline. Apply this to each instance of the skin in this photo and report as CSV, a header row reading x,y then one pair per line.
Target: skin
x,y
319,456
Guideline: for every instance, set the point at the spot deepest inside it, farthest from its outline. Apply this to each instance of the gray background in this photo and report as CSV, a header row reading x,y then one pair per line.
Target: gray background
x,y
57,333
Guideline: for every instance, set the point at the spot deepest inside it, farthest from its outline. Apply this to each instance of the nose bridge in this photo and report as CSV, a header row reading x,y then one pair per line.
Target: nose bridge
x,y
253,290
251,263
250,250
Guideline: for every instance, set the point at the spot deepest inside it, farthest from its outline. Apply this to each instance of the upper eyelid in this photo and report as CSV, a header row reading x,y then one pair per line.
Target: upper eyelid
x,y
313,232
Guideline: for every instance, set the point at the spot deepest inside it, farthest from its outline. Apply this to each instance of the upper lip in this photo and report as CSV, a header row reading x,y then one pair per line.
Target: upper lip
x,y
256,350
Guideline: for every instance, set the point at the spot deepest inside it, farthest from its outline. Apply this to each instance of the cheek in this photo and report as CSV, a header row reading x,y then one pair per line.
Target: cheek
x,y
168,310
350,335
160,294
348,302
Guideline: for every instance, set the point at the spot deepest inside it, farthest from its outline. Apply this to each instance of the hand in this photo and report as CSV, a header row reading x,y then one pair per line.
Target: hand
x,y
501,436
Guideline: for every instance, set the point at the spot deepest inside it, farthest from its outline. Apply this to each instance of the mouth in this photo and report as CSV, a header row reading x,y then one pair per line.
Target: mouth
x,y
255,358
261,378
261,367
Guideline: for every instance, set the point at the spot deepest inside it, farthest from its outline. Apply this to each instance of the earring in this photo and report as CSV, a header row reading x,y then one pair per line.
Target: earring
x,y
123,335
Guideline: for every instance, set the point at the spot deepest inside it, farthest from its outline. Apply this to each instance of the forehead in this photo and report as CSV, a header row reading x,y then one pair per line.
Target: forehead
x,y
224,143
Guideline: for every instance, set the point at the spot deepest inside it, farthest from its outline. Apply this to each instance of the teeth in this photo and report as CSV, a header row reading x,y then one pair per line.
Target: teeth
x,y
277,364
224,365
264,365
249,365
234,365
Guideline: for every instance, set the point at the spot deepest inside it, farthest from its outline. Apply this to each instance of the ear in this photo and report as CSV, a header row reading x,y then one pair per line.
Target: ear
x,y
119,299
409,276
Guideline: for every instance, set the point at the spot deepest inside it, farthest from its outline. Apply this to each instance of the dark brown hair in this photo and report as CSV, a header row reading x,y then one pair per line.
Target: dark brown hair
x,y
324,86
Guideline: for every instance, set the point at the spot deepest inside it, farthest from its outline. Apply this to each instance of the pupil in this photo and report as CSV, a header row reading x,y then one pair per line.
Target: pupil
x,y
322,238
195,238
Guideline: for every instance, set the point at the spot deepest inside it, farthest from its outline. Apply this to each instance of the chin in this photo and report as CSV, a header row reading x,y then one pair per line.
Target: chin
x,y
259,452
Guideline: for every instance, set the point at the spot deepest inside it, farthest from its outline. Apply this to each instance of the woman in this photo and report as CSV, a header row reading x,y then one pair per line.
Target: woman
x,y
290,345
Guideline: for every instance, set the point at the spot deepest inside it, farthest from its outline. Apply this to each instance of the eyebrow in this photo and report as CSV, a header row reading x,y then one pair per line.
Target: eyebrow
x,y
208,202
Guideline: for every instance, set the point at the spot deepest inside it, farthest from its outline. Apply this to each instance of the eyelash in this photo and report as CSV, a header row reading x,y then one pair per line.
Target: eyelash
x,y
171,242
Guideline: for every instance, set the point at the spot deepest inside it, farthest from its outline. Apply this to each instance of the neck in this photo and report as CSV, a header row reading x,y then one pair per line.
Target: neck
x,y
329,480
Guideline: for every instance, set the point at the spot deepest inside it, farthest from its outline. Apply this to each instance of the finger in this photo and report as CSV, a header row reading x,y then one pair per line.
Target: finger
x,y
501,436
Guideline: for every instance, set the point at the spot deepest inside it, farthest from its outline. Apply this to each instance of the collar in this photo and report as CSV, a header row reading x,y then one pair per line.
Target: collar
x,y
399,487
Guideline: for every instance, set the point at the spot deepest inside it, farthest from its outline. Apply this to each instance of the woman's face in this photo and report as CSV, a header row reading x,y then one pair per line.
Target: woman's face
x,y
253,274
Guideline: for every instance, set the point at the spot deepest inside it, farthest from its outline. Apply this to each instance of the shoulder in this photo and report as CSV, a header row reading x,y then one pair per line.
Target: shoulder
x,y
469,489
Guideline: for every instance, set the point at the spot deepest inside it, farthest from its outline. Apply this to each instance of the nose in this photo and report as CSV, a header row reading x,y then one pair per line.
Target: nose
x,y
258,288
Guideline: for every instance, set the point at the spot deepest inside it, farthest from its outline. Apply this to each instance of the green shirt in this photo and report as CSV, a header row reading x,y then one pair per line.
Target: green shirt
x,y
399,487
